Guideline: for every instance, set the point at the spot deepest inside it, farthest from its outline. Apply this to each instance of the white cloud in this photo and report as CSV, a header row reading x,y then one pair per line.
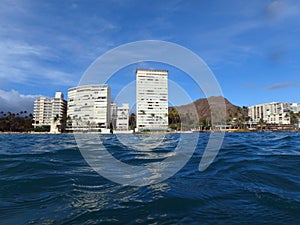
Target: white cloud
x,y
13,101
22,63
52,54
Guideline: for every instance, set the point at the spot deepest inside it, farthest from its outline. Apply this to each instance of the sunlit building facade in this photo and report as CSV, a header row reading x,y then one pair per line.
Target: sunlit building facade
x,y
122,123
89,106
49,110
270,113
151,99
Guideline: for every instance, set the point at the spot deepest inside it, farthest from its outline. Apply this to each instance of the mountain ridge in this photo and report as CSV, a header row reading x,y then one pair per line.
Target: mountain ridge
x,y
203,108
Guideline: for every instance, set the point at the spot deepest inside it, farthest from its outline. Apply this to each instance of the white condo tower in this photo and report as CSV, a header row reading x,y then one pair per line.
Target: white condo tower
x,y
151,99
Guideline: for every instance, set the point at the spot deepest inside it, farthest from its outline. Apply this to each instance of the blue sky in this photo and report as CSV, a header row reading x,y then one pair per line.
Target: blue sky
x,y
252,47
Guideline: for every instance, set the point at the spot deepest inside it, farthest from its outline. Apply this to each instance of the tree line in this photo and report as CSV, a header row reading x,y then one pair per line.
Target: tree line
x,y
22,121
16,122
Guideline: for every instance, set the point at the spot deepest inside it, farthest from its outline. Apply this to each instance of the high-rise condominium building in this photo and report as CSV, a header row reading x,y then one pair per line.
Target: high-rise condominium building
x,y
49,110
89,106
271,113
151,99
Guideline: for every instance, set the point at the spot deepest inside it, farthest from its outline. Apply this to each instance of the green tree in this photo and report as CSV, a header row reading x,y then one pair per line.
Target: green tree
x,y
174,119
132,121
15,122
293,117
261,123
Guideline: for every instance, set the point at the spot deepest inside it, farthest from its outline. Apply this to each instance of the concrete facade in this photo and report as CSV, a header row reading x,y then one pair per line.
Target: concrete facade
x,y
270,113
47,111
122,123
89,106
151,99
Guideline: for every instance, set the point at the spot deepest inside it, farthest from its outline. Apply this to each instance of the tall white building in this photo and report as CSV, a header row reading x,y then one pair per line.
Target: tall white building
x,y
89,106
271,113
151,99
122,122
48,110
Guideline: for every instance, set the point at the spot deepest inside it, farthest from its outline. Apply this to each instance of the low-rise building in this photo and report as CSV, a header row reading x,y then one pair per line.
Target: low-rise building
x,y
270,113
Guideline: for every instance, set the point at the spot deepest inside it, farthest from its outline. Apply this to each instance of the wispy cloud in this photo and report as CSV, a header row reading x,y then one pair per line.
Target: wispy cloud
x,y
24,63
53,42
281,10
282,85
226,43
223,45
58,53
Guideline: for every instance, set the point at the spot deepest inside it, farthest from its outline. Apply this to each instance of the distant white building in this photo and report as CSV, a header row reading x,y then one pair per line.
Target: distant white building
x,y
295,107
151,99
122,122
46,111
270,113
89,106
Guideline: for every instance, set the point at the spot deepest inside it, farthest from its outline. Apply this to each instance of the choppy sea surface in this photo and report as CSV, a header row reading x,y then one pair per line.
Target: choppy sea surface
x,y
255,179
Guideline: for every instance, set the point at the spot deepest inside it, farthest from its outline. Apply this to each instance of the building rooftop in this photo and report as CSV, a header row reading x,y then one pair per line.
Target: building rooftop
x,y
151,70
89,86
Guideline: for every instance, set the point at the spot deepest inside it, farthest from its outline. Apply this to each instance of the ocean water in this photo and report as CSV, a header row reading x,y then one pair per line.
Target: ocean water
x,y
255,179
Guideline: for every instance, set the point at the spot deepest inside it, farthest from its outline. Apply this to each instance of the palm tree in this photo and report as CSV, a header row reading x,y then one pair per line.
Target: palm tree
x,y
293,117
261,123
55,118
202,124
132,121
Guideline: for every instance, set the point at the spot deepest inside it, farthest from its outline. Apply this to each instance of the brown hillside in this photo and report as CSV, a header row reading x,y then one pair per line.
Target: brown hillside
x,y
204,112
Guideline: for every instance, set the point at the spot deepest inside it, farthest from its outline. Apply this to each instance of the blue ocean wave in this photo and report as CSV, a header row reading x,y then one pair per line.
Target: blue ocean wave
x,y
254,179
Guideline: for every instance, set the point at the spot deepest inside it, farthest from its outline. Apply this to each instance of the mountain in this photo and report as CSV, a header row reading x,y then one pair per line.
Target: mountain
x,y
203,109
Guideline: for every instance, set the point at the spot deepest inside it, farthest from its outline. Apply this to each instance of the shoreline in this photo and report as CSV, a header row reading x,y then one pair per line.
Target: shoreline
x,y
172,132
